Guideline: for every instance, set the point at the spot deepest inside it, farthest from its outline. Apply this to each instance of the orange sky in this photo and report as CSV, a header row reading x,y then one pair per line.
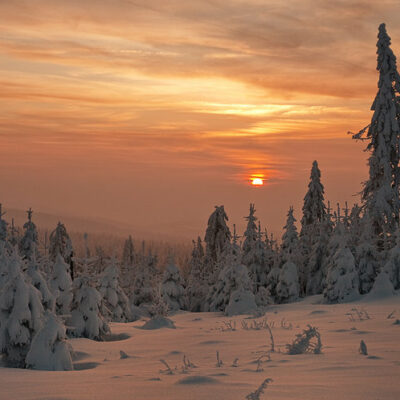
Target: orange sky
x,y
152,112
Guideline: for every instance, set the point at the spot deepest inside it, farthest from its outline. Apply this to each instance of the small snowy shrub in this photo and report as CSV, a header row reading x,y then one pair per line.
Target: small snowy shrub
x,y
49,349
172,290
86,319
115,300
309,341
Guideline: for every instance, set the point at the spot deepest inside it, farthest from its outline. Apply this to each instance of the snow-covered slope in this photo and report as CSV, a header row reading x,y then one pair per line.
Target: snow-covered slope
x,y
102,372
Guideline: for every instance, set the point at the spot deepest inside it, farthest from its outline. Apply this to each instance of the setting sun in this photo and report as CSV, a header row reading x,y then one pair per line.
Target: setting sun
x,y
257,181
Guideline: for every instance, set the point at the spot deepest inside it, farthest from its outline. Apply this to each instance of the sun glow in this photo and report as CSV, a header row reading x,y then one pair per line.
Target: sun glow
x,y
257,181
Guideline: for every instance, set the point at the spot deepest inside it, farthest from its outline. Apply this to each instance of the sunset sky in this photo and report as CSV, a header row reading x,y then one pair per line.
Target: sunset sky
x,y
152,112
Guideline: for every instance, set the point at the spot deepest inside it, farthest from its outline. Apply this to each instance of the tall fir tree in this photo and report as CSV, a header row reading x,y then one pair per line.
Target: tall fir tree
x,y
197,285
29,242
380,194
60,243
217,240
314,212
250,238
290,239
3,226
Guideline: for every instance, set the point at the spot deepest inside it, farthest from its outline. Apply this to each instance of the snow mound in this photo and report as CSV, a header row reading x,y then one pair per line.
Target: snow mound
x,y
197,380
158,322
241,302
382,288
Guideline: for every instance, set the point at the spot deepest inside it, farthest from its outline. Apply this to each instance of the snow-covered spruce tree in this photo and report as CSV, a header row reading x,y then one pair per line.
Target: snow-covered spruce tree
x,y
272,260
128,253
13,236
356,227
128,265
380,194
4,261
21,315
86,319
197,287
250,238
217,240
3,226
60,243
392,265
288,287
172,290
314,212
145,281
29,242
342,280
368,258
254,257
39,282
61,286
115,300
232,293
290,240
258,270
318,257
49,349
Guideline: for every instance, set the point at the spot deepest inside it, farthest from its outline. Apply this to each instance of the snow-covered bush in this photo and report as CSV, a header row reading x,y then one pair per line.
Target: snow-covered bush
x,y
49,349
114,298
86,319
233,278
39,282
172,290
288,289
61,286
342,281
21,315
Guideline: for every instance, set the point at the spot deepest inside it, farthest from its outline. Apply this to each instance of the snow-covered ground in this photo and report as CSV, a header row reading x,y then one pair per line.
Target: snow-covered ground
x,y
340,372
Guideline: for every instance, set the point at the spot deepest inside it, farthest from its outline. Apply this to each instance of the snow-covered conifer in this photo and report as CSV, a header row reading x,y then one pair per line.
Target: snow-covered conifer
x,y
342,280
314,212
217,240
250,237
29,242
13,237
128,254
317,260
197,287
380,194
3,226
368,258
115,299
258,270
60,243
172,290
233,278
39,282
21,315
289,246
392,265
86,319
288,289
61,286
49,349
145,281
